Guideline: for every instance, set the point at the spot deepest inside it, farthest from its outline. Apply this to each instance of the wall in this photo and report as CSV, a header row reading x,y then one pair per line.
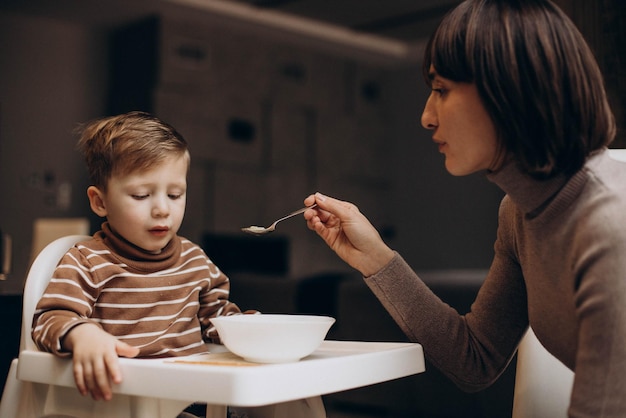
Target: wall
x,y
311,128
440,221
321,122
52,76
603,24
325,134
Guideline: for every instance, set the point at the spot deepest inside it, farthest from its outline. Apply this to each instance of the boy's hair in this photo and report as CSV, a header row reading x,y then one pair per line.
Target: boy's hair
x,y
123,144
536,76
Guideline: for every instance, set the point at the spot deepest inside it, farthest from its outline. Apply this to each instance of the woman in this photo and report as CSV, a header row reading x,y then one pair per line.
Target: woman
x,y
516,94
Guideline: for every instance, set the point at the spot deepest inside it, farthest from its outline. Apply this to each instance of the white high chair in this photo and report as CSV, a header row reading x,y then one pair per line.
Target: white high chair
x,y
543,385
48,389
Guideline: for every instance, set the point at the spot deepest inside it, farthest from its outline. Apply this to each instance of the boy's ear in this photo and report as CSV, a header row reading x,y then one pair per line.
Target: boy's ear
x,y
96,201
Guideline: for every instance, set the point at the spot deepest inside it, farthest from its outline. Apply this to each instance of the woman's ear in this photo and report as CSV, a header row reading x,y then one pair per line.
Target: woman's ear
x,y
96,201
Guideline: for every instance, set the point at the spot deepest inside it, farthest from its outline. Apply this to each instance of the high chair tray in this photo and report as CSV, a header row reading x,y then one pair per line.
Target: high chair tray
x,y
220,378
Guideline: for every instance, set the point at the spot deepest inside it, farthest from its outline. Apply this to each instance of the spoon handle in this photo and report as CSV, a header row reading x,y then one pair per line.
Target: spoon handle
x,y
297,212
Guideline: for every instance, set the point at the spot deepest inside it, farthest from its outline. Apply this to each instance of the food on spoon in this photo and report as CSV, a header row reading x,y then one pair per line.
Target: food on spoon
x,y
253,229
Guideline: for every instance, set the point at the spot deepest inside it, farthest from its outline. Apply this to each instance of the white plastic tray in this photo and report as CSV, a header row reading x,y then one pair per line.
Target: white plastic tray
x,y
335,366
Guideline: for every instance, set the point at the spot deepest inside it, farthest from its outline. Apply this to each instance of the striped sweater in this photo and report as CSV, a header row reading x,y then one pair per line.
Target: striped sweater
x,y
160,303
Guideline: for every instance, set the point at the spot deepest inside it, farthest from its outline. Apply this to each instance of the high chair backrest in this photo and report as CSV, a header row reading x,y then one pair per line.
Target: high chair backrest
x,y
543,385
618,154
37,280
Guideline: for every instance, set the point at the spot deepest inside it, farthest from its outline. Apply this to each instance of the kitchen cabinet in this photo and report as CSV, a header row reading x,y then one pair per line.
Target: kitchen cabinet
x,y
267,124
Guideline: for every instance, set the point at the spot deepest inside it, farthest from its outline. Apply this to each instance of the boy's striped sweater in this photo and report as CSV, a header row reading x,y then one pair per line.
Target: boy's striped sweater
x,y
160,303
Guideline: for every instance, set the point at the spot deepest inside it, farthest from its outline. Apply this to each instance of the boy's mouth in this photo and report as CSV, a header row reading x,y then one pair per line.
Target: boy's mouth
x,y
159,230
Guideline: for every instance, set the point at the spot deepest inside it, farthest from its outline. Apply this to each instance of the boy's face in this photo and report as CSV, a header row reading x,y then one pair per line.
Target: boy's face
x,y
145,207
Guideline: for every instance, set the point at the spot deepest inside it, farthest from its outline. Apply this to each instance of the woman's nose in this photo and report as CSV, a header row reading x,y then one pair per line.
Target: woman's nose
x,y
429,117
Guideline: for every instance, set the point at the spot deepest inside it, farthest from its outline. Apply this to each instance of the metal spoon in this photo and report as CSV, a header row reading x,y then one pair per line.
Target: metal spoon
x,y
259,230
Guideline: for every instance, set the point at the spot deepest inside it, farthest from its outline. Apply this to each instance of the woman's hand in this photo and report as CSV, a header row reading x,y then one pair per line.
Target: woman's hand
x,y
95,354
348,233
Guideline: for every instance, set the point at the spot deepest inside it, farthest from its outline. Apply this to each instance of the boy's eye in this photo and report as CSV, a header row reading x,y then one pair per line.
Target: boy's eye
x,y
174,196
139,196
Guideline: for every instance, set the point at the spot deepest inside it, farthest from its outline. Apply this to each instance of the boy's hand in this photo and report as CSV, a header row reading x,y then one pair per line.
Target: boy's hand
x,y
95,354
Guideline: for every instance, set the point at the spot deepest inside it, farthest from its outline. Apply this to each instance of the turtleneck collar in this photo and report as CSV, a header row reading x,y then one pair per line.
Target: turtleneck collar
x,y
136,257
534,196
527,193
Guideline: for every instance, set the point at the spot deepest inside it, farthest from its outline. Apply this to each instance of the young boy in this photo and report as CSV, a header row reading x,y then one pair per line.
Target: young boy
x,y
136,289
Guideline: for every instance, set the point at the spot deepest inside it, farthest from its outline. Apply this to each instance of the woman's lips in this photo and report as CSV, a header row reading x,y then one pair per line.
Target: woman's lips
x,y
440,144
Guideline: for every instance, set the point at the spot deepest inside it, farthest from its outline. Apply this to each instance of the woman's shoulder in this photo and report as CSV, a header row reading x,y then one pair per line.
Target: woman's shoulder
x,y
507,210
601,209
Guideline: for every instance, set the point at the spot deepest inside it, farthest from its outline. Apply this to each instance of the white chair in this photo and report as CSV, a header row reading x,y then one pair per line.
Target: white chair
x,y
51,392
543,385
618,154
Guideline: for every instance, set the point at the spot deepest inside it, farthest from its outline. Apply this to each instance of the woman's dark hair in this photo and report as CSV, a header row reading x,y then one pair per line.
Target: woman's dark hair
x,y
536,76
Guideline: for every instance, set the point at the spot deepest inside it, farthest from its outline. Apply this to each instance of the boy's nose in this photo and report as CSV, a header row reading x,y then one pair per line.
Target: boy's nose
x,y
160,208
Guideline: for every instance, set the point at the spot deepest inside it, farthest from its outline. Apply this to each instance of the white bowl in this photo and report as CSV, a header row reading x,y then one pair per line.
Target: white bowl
x,y
272,338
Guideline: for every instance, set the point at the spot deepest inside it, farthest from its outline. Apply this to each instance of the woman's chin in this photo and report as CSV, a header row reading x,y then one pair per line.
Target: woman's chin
x,y
457,170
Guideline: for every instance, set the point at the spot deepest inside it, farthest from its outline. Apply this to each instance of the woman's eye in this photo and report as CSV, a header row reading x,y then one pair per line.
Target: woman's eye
x,y
439,91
